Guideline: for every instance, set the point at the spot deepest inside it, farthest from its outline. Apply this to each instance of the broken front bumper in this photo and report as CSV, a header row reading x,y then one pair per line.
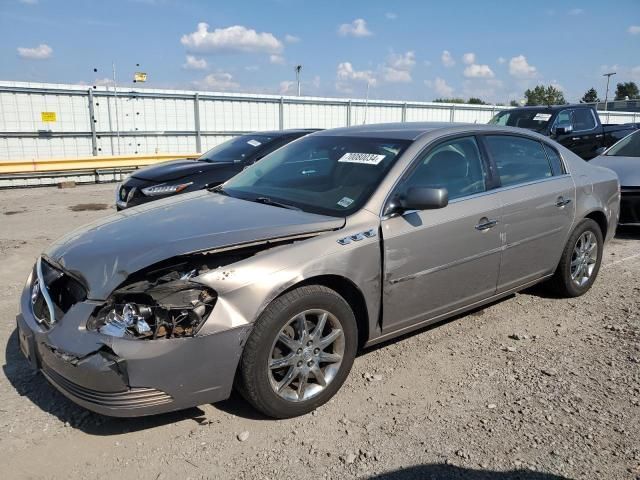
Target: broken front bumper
x,y
128,377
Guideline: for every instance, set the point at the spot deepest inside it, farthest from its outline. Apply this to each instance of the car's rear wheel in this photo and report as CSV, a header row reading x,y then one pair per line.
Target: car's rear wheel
x,y
580,262
299,353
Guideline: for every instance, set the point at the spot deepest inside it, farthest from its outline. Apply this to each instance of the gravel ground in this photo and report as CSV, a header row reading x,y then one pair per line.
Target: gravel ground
x,y
531,387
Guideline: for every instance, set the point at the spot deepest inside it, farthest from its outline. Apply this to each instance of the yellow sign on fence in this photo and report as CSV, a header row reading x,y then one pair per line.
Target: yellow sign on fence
x,y
139,77
48,116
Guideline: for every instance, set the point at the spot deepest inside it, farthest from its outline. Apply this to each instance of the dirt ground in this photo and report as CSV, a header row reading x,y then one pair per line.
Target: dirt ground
x,y
531,387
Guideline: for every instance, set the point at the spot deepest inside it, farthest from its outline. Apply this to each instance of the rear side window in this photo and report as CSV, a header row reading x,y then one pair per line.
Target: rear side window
x,y
557,165
519,160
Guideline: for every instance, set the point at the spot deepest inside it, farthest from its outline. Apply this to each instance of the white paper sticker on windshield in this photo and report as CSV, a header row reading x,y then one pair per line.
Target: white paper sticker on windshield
x,y
345,202
542,117
254,143
366,158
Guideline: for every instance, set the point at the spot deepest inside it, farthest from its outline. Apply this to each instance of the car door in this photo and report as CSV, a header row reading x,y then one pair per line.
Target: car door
x,y
436,261
586,136
538,205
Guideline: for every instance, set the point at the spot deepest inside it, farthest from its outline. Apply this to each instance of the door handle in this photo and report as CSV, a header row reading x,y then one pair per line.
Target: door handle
x,y
486,224
561,202
575,138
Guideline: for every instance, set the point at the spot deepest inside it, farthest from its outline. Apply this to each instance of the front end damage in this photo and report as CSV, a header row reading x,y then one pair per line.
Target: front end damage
x,y
143,350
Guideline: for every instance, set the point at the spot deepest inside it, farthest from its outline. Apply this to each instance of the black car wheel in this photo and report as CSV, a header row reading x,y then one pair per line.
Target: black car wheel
x,y
299,353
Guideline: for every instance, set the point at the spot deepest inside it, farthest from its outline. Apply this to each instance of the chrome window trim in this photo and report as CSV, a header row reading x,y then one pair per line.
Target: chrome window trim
x,y
45,291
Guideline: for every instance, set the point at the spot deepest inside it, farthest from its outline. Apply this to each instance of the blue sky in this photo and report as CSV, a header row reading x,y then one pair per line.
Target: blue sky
x,y
409,50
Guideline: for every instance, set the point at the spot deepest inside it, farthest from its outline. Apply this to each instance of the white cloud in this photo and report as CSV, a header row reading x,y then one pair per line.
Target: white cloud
x,y
391,15
252,68
520,68
194,63
220,81
103,82
469,58
634,30
478,71
346,72
291,38
502,60
440,86
357,28
287,87
276,59
447,59
576,11
398,67
236,38
41,52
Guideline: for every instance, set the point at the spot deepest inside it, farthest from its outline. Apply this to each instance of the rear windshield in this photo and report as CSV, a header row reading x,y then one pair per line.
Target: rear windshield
x,y
536,120
237,149
629,146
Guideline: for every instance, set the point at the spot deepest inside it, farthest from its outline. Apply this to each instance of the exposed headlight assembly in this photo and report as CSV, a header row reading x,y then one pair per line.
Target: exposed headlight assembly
x,y
164,189
169,306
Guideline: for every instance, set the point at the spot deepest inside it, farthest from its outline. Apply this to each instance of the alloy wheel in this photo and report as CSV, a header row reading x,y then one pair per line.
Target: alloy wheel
x,y
584,258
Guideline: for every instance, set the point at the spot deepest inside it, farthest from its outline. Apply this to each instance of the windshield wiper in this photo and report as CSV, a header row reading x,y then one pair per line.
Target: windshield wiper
x,y
219,189
268,201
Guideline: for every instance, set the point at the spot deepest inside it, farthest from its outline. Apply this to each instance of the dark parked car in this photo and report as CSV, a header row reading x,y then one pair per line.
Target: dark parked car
x,y
624,159
213,168
576,127
342,239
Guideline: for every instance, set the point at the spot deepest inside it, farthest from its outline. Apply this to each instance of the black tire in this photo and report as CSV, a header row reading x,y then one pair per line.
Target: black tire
x,y
254,375
561,282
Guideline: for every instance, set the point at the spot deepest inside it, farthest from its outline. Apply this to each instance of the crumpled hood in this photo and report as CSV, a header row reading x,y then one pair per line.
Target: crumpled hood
x,y
106,252
627,168
176,169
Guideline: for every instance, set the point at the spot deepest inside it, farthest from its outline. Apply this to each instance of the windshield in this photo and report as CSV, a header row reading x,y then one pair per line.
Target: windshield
x,y
319,174
629,146
531,119
237,149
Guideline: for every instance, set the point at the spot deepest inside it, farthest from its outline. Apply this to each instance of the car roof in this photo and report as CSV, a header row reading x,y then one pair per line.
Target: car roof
x,y
282,133
414,130
551,107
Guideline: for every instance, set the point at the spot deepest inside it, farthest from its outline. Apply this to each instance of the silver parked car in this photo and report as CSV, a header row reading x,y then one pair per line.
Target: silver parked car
x,y
339,240
624,159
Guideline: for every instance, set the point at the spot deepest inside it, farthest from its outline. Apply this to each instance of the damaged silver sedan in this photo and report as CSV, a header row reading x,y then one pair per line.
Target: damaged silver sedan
x,y
274,280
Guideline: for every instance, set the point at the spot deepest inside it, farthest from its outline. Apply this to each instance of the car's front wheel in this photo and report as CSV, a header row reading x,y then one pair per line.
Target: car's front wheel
x,y
580,261
299,353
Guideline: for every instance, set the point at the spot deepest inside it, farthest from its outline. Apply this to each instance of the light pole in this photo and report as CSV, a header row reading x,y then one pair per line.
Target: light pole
x,y
298,70
606,95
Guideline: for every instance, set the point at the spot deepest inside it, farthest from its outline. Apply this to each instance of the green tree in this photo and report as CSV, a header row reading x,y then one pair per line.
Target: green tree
x,y
542,95
449,100
627,89
590,96
476,101
514,103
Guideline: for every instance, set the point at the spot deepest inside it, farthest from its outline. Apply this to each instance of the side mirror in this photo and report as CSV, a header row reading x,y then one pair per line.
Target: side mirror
x,y
563,129
424,198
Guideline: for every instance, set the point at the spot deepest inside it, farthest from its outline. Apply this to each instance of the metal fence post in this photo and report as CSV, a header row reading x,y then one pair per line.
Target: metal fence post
x,y
281,113
349,104
196,121
92,124
452,114
404,112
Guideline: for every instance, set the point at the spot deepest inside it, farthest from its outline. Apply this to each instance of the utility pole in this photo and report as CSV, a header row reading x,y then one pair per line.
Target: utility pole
x,y
606,95
298,70
115,101
366,103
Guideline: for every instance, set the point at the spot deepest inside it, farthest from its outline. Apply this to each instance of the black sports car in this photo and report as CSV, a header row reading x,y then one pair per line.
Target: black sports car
x,y
213,168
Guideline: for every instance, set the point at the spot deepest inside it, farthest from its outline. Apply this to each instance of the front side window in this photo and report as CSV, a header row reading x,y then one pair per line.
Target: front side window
x,y
455,165
564,118
583,120
319,174
519,160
